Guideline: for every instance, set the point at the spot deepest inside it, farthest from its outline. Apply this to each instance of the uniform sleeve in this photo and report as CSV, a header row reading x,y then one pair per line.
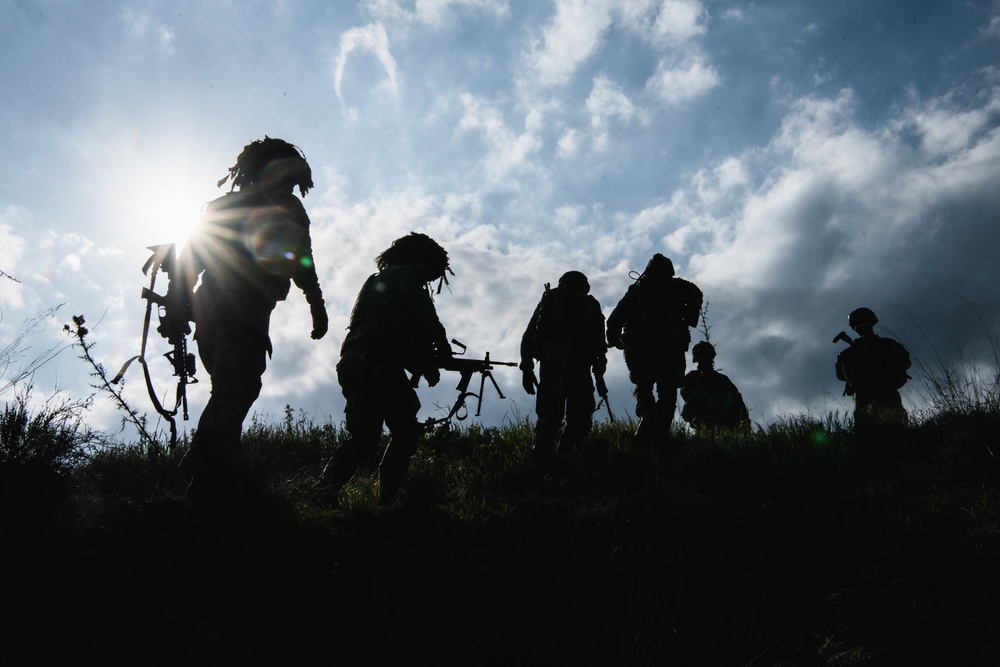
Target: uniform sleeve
x,y
595,333
528,340
429,336
619,316
694,302
305,277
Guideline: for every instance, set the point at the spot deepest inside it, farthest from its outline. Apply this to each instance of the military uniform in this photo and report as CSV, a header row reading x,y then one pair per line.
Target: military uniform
x,y
874,369
711,400
651,323
566,335
249,246
393,328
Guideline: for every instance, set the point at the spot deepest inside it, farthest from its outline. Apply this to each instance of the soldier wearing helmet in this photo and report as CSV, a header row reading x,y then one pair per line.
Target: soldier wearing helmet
x,y
566,335
650,323
393,328
711,400
873,370
248,247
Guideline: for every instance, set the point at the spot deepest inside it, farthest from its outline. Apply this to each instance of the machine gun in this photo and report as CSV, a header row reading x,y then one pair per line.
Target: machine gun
x,y
466,368
182,361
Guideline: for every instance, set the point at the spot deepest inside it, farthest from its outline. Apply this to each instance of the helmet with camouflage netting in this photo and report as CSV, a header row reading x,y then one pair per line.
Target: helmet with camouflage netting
x,y
419,249
265,157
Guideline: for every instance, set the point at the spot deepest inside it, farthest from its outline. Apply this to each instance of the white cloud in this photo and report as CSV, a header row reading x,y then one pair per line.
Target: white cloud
x,y
945,127
577,31
569,143
140,24
679,21
567,218
714,185
607,101
508,150
433,13
676,85
570,38
994,26
373,39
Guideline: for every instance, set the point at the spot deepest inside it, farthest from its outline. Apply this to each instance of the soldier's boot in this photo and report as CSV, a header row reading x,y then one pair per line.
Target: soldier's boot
x,y
212,463
663,417
544,458
643,435
543,445
339,469
394,467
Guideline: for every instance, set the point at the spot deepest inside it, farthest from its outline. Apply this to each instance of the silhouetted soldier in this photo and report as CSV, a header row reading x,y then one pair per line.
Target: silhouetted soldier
x,y
248,247
651,324
394,328
566,335
711,400
874,369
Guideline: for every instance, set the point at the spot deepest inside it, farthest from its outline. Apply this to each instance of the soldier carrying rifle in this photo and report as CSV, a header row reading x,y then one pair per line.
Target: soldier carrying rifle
x,y
250,245
394,328
873,370
566,335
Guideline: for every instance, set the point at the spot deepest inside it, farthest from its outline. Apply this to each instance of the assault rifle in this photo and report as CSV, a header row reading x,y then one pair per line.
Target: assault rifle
x,y
842,336
466,369
602,391
848,385
182,361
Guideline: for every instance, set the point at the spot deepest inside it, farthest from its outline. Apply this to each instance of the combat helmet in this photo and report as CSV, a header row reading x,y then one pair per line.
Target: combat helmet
x,y
575,280
659,265
860,317
703,351
260,155
419,247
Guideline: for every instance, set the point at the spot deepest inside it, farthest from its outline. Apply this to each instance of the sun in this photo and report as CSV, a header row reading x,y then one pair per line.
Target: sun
x,y
169,217
165,209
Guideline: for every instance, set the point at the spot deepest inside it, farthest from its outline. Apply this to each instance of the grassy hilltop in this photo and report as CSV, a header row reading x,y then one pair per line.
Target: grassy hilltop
x,y
795,545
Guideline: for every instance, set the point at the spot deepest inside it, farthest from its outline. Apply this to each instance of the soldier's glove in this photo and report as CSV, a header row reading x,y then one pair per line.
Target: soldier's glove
x,y
176,308
433,376
320,320
528,380
173,326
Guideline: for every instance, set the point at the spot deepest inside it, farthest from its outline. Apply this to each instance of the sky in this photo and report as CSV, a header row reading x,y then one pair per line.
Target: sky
x,y
795,159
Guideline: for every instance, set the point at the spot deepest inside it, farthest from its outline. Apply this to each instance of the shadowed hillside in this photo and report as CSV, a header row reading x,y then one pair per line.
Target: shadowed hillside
x,y
797,545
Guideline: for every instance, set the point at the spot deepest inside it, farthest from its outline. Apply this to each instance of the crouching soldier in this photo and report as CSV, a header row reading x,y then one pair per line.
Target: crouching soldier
x,y
711,400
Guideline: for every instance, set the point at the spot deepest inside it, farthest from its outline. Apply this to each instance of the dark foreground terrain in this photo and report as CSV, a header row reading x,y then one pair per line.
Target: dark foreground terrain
x,y
795,546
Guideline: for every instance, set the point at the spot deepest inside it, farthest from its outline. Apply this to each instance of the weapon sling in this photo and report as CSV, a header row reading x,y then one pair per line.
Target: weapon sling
x,y
178,357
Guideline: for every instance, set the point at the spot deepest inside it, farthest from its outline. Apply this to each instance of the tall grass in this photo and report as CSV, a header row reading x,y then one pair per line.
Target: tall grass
x,y
796,543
